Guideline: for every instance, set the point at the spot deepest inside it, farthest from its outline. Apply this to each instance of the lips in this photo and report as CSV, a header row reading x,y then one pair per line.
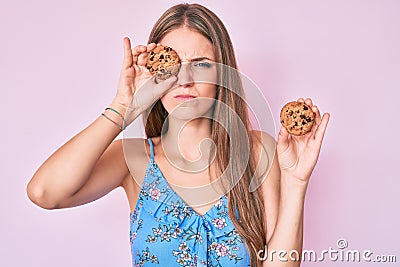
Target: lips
x,y
184,97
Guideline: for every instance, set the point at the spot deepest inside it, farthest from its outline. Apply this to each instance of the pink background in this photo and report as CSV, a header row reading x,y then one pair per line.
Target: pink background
x,y
60,63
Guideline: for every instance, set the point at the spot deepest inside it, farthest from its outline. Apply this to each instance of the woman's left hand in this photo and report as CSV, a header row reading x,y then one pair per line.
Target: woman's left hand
x,y
297,155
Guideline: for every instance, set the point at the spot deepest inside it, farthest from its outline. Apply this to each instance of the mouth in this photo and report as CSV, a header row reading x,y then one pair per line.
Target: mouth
x,y
184,97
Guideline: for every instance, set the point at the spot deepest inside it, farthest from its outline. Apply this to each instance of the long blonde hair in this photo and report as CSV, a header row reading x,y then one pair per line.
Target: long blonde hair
x,y
250,222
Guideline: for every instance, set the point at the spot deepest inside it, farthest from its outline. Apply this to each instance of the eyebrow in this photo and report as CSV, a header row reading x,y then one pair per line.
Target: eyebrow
x,y
200,59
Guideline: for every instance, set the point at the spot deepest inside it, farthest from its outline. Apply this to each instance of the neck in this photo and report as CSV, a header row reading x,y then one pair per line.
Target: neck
x,y
183,139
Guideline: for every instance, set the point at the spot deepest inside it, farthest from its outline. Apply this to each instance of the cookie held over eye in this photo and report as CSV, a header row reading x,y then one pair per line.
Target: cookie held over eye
x,y
297,117
163,62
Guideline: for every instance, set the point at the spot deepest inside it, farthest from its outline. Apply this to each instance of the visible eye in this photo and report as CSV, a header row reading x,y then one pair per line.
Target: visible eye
x,y
202,64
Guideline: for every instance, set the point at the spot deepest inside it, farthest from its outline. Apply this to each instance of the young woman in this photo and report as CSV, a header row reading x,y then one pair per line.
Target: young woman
x,y
203,227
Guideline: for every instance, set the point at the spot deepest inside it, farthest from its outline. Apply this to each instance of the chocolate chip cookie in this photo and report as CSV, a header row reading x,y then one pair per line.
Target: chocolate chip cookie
x,y
163,62
297,117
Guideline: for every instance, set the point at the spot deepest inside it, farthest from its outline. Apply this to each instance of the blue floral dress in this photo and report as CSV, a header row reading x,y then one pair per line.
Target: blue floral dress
x,y
165,231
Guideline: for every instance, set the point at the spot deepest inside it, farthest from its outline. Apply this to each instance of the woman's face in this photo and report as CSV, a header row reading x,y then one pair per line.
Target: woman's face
x,y
196,84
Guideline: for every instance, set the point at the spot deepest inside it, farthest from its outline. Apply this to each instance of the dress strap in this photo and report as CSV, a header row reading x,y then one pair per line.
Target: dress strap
x,y
151,148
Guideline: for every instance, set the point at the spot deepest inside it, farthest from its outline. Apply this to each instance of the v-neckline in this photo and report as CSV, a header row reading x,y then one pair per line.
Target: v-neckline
x,y
210,210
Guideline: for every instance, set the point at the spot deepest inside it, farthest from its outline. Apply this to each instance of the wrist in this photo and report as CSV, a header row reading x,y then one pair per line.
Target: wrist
x,y
119,106
111,115
128,111
293,185
295,180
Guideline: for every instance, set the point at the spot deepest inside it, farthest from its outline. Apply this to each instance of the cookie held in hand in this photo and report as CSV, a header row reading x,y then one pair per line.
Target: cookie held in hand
x,y
297,117
163,62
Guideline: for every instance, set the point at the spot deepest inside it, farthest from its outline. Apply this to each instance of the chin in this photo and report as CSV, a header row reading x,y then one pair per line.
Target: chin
x,y
191,109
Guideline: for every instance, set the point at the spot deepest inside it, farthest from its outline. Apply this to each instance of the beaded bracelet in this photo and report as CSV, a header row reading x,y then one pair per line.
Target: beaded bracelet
x,y
122,117
118,125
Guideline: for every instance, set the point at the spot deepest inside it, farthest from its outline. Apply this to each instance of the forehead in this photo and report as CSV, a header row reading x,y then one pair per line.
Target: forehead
x,y
188,44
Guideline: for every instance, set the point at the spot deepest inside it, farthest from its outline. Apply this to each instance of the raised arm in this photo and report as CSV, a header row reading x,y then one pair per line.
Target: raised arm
x,y
295,161
91,164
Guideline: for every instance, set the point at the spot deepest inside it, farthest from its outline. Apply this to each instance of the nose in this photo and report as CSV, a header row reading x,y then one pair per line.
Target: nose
x,y
185,75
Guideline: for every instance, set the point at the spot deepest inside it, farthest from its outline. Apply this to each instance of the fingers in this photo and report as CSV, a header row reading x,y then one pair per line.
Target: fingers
x,y
142,58
151,46
136,51
283,138
163,86
141,52
319,133
320,124
127,53
308,101
317,115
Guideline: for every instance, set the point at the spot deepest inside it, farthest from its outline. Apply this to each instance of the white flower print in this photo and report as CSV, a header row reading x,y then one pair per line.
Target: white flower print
x,y
219,203
154,258
157,231
219,223
134,235
213,245
155,193
183,246
151,239
168,228
186,256
222,250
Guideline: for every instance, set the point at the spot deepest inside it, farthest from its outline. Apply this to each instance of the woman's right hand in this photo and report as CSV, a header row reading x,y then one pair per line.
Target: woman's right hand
x,y
137,88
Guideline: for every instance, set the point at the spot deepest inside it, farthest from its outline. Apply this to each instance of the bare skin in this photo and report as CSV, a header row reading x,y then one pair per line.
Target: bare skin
x,y
92,163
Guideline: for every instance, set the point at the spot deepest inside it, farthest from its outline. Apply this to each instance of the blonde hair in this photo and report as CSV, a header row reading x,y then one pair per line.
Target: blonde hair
x,y
250,223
